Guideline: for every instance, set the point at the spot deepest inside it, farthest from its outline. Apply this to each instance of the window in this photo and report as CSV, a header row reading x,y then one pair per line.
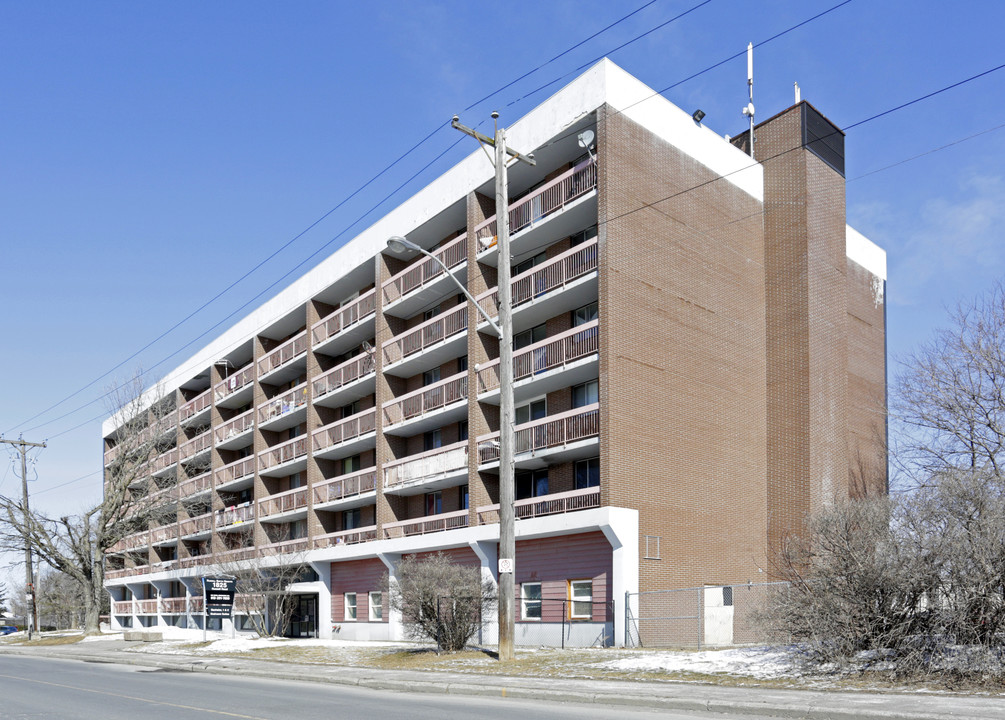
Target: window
x,y
350,519
585,314
298,529
652,547
585,394
583,236
581,592
530,601
430,313
351,464
462,430
295,481
434,503
464,497
430,376
376,606
529,337
534,410
531,484
527,264
432,440
462,363
350,607
295,431
587,473
350,409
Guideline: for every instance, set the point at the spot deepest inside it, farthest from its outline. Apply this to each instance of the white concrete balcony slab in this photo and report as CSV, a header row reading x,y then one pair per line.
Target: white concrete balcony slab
x,y
235,476
284,459
236,389
285,362
285,410
346,437
431,470
432,406
346,491
345,383
427,345
424,281
347,327
572,435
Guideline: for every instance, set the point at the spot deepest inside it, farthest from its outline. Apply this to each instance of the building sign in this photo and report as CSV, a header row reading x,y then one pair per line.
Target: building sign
x,y
219,596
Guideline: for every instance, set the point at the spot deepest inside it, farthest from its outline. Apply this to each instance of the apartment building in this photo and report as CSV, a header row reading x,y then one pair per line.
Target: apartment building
x,y
699,361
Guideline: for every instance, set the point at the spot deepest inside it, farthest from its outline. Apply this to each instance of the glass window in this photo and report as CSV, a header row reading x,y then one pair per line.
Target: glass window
x,y
530,601
432,440
534,410
462,430
434,503
587,473
585,394
581,592
464,497
350,409
295,481
430,313
529,263
350,607
529,337
462,363
431,376
351,519
376,606
583,236
351,464
585,314
531,484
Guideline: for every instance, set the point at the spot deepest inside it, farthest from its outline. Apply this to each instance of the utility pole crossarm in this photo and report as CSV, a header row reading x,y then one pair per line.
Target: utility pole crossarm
x,y
456,123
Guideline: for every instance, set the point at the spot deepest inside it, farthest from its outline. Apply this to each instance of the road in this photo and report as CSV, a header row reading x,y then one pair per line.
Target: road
x,y
51,689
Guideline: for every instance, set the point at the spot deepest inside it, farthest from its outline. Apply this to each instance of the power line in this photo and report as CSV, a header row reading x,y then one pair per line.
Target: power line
x,y
69,482
928,152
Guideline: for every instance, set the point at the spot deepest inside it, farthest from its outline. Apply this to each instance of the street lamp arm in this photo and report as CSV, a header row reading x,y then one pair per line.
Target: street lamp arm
x,y
399,244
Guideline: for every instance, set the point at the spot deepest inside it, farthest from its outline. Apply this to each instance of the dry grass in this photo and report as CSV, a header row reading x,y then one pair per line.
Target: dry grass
x,y
49,640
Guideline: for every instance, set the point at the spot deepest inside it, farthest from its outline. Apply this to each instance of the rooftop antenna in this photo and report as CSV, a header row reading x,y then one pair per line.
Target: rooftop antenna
x,y
799,97
749,110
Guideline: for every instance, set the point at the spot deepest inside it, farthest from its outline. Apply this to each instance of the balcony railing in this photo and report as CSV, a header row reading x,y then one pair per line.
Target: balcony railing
x,y
111,454
425,269
441,327
345,317
344,486
245,467
549,354
235,426
195,406
196,445
526,211
342,431
429,524
285,353
550,432
196,525
348,372
174,606
131,542
120,607
195,604
195,485
235,515
168,532
424,400
164,461
289,546
237,554
346,537
546,277
284,404
545,505
283,502
283,453
146,607
428,465
232,383
127,572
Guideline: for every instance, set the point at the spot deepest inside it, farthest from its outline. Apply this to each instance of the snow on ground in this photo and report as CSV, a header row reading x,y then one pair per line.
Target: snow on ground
x,y
755,662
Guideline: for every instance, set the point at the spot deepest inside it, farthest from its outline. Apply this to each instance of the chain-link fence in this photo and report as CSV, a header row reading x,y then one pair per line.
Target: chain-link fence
x,y
699,617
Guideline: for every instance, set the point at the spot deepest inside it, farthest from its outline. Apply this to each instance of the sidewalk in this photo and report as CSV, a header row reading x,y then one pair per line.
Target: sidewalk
x,y
823,705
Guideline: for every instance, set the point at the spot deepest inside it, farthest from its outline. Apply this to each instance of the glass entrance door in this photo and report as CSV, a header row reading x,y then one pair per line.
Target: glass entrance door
x,y
305,617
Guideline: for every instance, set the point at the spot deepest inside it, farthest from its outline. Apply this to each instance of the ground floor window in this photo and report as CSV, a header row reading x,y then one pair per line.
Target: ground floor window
x,y
530,601
581,594
376,606
350,606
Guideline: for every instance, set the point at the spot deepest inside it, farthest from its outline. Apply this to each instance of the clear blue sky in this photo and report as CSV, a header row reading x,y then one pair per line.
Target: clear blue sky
x,y
152,153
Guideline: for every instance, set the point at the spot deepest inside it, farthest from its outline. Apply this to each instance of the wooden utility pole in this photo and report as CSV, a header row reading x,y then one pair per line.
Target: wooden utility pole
x,y
22,445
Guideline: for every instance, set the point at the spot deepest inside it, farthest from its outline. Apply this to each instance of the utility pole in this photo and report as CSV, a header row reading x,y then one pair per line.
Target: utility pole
x,y
22,445
507,437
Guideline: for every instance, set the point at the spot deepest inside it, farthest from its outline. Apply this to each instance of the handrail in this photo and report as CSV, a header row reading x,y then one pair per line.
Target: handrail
x,y
286,501
548,432
428,524
345,317
431,463
283,453
198,524
351,370
545,505
285,353
447,324
196,405
234,382
235,426
235,515
235,470
196,445
344,430
287,402
425,269
344,486
346,537
198,484
548,354
426,399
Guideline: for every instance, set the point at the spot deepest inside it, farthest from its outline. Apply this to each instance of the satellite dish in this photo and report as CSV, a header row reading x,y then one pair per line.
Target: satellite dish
x,y
586,138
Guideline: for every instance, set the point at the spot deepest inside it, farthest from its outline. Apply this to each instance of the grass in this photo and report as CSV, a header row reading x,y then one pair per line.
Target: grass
x,y
46,640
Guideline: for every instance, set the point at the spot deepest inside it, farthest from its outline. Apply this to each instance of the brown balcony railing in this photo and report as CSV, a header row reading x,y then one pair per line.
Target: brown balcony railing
x,y
342,431
237,554
174,606
235,515
198,524
195,485
164,461
195,406
289,546
346,537
545,505
168,532
345,486
283,502
424,400
428,524
146,607
121,607
550,432
235,426
546,277
234,382
428,465
283,453
549,354
350,371
111,454
445,325
425,269
285,353
245,467
195,604
195,446
345,317
284,404
528,210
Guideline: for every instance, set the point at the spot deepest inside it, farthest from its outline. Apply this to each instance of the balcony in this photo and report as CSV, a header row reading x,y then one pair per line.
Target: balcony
x,y
158,430
285,362
146,607
127,572
554,211
296,545
174,606
346,437
346,327
352,380
165,463
196,411
427,345
195,604
284,459
236,475
196,528
197,449
236,390
554,504
430,470
562,284
345,537
432,406
346,491
165,536
285,506
120,607
422,282
236,432
235,517
111,454
557,438
130,542
425,525
195,486
559,361
237,554
285,410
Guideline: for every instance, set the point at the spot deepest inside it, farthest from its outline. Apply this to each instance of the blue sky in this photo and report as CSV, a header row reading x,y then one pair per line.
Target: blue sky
x,y
153,153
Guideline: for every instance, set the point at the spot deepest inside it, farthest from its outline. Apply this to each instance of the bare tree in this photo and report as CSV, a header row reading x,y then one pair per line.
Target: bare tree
x,y
440,600
76,544
263,590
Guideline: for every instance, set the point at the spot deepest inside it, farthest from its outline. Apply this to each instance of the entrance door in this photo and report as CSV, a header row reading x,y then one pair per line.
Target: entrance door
x,y
305,617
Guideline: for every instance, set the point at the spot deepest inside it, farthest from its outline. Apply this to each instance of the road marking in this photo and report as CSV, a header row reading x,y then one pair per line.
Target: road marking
x,y
133,697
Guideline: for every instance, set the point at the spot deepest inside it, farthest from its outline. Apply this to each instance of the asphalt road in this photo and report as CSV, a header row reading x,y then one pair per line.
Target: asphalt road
x,y
51,689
